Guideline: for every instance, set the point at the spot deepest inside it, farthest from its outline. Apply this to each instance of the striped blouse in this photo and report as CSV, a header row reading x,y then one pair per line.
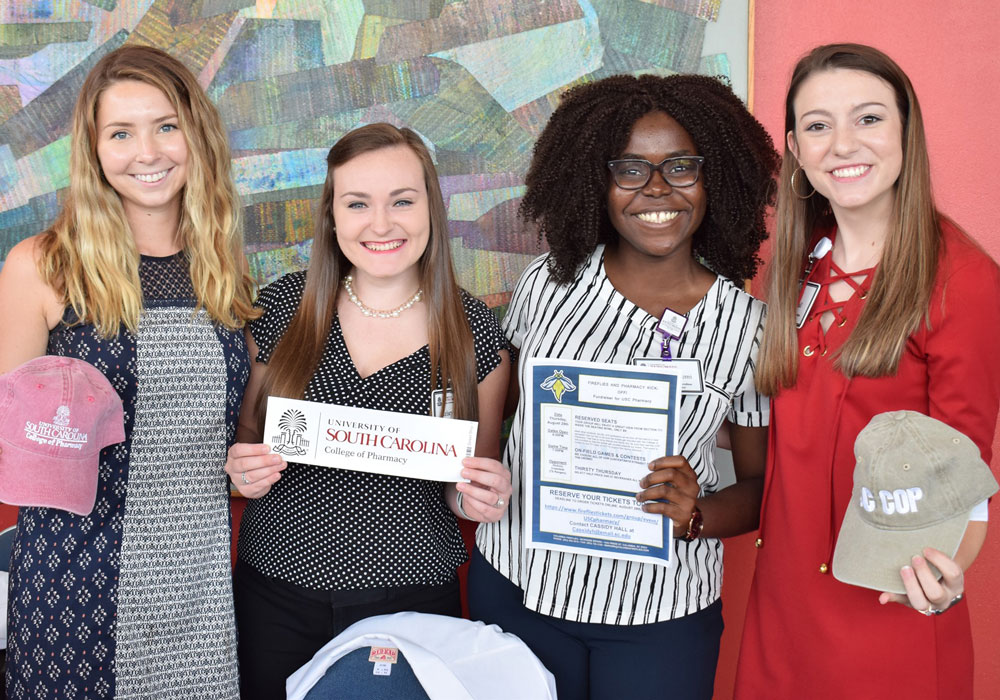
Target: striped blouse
x,y
590,320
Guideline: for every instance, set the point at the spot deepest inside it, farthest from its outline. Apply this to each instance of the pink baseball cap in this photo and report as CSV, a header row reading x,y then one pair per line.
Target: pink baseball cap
x,y
56,415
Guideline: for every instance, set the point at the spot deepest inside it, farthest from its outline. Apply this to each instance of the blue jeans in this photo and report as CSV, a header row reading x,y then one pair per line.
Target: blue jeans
x,y
671,660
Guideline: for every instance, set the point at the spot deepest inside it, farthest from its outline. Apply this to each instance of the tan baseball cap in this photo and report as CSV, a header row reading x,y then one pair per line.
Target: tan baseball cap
x,y
916,482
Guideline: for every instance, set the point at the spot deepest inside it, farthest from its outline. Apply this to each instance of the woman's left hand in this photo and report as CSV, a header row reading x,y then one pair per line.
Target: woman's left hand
x,y
924,593
671,490
486,495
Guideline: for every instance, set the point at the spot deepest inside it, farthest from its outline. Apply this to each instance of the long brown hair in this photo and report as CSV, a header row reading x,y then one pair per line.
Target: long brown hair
x,y
89,254
452,354
898,300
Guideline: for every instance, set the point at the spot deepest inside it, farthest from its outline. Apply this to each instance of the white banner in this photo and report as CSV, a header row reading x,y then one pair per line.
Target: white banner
x,y
383,442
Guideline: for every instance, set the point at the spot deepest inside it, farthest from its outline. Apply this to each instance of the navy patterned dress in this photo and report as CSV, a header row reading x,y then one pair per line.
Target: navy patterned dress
x,y
135,599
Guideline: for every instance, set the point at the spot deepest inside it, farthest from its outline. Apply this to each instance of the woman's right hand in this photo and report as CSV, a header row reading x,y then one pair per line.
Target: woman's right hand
x,y
253,468
924,592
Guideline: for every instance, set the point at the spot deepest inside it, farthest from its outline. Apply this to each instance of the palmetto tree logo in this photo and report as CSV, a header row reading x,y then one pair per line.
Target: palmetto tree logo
x,y
62,416
290,440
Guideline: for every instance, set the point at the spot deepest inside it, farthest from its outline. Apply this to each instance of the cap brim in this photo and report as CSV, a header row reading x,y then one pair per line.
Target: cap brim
x,y
872,557
50,482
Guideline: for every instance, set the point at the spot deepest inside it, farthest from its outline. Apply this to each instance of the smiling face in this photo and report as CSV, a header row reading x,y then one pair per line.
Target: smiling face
x,y
381,211
848,138
140,147
657,220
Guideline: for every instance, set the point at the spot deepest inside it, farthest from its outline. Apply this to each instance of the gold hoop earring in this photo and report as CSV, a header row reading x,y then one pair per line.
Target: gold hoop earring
x,y
792,185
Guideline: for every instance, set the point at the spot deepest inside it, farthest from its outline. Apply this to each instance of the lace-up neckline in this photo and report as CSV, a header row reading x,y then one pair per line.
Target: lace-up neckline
x,y
827,274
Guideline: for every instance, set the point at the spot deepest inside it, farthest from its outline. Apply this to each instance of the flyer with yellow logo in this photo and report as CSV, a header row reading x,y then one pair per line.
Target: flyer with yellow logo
x,y
594,429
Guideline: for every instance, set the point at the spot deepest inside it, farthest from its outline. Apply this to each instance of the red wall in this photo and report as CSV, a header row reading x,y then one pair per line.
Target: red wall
x,y
949,51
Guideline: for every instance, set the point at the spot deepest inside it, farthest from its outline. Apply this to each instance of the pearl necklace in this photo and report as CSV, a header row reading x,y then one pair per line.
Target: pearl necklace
x,y
376,313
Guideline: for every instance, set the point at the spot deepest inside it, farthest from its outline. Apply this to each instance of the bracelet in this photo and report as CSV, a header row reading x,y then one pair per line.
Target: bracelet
x,y
458,502
694,526
935,611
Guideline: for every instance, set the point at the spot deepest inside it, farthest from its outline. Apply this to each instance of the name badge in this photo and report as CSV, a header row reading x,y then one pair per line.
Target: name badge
x,y
672,323
437,396
689,369
809,293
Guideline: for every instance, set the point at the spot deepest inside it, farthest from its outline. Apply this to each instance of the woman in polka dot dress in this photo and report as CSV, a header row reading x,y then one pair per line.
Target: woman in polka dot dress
x,y
375,318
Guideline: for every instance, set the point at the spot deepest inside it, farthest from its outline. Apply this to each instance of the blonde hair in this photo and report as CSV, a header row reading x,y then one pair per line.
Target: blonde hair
x,y
89,255
450,342
900,293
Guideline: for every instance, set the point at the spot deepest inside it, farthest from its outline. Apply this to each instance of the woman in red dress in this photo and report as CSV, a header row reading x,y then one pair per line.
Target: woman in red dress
x,y
905,316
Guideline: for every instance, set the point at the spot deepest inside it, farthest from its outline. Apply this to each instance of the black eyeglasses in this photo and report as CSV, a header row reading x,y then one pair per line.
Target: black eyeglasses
x,y
634,173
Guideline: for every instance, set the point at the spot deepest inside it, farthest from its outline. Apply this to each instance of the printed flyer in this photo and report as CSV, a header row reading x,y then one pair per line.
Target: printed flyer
x,y
594,428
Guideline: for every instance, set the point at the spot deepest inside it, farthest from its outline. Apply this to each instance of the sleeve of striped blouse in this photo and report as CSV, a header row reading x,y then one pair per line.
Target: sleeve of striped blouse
x,y
515,320
751,409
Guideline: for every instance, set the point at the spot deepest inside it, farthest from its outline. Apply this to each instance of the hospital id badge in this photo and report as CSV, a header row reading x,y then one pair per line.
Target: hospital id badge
x,y
437,396
689,370
809,293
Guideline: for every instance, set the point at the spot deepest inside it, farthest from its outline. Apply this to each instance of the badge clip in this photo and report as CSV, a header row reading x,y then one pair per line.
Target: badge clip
x,y
671,325
808,291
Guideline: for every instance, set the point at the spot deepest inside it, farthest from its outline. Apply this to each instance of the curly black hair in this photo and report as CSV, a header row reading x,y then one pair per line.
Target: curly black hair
x,y
567,182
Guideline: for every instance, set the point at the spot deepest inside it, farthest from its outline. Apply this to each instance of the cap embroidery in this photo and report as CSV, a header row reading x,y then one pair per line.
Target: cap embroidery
x,y
57,433
62,416
897,502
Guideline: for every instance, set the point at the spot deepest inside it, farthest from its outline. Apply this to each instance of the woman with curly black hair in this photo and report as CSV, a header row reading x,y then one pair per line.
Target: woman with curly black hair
x,y
651,193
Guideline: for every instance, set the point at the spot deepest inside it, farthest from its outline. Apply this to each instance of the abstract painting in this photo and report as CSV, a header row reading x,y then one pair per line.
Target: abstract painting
x,y
477,79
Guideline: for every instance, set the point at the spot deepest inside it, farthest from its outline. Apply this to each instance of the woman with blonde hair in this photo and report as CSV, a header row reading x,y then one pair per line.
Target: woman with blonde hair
x,y
377,322
877,302
143,276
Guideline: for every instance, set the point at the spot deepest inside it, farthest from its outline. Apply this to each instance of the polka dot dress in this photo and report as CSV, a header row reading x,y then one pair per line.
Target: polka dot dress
x,y
335,529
